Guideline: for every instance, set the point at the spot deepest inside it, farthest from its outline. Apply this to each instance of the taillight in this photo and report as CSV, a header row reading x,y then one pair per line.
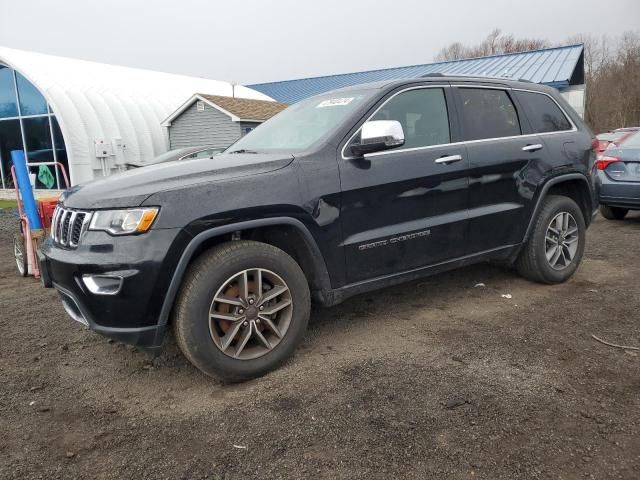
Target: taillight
x,y
604,161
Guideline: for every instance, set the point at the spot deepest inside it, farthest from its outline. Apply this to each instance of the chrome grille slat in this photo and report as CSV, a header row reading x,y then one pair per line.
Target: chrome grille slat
x,y
68,226
54,223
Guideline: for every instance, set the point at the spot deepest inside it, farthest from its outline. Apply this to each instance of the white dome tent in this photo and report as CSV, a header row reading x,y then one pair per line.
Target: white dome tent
x,y
117,107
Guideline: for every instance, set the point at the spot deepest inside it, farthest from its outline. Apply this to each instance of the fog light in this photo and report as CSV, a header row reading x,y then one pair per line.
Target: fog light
x,y
103,284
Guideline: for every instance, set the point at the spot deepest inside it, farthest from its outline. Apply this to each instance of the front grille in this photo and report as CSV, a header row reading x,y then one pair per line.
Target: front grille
x,y
68,226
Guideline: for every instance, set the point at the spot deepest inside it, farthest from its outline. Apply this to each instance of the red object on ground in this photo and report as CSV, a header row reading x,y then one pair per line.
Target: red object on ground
x,y
46,206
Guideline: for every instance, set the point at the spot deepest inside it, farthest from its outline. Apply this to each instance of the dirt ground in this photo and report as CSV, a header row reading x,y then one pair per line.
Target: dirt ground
x,y
434,379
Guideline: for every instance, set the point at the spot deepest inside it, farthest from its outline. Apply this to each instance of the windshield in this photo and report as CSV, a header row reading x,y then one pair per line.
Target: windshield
x,y
302,124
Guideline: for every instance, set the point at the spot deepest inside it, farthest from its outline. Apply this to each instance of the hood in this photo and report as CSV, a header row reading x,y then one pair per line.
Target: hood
x,y
131,188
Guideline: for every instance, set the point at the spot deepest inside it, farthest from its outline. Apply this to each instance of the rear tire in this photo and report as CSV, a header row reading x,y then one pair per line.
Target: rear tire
x,y
556,245
613,213
221,319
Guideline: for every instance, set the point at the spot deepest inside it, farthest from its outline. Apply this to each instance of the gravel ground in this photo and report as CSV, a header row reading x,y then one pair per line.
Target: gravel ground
x,y
434,379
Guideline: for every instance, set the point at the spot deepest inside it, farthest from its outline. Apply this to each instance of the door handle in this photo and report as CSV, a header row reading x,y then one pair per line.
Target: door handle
x,y
449,159
532,148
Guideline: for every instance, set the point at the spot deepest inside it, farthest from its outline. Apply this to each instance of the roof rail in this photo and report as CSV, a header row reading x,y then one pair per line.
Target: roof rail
x,y
432,74
524,80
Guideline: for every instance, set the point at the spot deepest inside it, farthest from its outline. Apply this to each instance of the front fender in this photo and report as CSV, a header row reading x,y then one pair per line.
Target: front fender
x,y
200,238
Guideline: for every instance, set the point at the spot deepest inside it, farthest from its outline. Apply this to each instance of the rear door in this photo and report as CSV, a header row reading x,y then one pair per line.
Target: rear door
x,y
502,165
405,208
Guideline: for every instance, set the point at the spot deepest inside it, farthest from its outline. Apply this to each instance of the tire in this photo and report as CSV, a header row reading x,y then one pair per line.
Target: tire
x,y
218,277
532,262
613,213
20,254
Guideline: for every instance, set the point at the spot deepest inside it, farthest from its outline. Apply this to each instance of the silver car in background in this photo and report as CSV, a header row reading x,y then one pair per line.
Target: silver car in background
x,y
618,179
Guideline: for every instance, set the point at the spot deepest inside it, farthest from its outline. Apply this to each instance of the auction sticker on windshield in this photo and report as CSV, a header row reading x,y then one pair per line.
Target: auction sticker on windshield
x,y
335,102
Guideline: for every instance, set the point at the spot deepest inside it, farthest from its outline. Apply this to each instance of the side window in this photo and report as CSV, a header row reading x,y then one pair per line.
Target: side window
x,y
543,113
422,114
488,113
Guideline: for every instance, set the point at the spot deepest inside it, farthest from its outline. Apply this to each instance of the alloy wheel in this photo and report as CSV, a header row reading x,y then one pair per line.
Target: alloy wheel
x,y
250,314
561,240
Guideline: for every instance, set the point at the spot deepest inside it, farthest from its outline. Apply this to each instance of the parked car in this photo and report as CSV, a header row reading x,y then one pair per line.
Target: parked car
x,y
343,193
618,178
187,153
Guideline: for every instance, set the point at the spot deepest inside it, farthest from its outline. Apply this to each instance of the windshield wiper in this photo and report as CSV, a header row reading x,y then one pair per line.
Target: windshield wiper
x,y
243,150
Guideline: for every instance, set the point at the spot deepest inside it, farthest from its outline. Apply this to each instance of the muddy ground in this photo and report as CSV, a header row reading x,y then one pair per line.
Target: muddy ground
x,y
435,379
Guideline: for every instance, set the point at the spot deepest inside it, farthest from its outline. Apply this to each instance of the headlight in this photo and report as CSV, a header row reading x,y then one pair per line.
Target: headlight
x,y
123,222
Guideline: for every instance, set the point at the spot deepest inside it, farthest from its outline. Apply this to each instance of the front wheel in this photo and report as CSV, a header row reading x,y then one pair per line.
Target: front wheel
x,y
613,213
556,245
242,310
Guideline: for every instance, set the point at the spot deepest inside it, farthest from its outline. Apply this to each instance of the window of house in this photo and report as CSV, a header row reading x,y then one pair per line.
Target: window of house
x,y
488,113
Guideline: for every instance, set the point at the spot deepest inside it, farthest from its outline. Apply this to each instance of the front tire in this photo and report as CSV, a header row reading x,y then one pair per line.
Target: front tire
x,y
242,310
613,213
556,246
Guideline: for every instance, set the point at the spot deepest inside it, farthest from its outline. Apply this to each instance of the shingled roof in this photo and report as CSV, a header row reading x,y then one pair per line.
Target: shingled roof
x,y
238,109
244,108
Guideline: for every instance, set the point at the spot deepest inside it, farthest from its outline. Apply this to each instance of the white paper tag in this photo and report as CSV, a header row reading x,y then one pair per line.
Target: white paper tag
x,y
335,102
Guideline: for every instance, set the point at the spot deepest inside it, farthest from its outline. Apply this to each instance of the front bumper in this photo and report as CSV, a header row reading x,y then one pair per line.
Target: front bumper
x,y
145,263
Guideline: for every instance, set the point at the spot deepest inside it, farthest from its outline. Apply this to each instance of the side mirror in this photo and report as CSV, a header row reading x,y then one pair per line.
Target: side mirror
x,y
378,135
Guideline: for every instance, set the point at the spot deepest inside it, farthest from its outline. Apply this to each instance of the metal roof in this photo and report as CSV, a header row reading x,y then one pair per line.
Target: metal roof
x,y
550,66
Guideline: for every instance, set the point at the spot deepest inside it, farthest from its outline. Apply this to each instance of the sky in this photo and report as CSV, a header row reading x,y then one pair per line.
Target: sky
x,y
252,41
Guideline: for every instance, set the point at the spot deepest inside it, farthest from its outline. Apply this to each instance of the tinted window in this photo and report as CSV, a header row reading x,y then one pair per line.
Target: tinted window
x,y
38,139
488,113
10,139
543,113
8,106
31,101
422,114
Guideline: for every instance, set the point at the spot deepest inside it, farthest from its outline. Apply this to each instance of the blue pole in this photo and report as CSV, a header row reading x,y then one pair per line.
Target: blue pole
x,y
22,176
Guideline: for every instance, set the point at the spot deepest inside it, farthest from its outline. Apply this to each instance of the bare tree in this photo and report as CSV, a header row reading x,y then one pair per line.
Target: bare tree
x,y
494,44
612,68
612,72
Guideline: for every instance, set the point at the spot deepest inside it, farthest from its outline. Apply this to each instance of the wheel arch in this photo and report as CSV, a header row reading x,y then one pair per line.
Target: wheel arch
x,y
307,254
573,185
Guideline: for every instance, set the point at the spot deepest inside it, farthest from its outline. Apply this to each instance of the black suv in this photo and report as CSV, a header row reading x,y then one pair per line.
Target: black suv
x,y
339,194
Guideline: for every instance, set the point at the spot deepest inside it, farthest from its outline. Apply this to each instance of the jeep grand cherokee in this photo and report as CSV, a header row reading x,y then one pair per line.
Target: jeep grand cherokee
x,y
342,193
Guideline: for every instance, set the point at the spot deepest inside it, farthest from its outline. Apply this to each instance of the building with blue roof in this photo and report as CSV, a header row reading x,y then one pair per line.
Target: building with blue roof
x,y
559,67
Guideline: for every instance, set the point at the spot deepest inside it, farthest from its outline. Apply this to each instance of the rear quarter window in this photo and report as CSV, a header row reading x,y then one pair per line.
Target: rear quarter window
x,y
543,113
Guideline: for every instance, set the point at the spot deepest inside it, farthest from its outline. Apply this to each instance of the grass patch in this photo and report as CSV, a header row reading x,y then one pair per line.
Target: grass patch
x,y
8,204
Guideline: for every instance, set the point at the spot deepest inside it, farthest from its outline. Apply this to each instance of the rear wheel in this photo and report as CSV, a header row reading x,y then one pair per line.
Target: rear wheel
x,y
243,309
613,213
556,245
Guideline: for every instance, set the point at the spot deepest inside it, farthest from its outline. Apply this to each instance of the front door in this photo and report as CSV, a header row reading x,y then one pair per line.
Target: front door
x,y
405,208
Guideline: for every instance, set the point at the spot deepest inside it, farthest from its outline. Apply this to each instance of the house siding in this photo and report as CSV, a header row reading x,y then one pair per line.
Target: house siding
x,y
209,127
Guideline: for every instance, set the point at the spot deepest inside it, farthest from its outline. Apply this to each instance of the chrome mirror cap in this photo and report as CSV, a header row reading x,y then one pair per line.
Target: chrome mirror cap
x,y
377,135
